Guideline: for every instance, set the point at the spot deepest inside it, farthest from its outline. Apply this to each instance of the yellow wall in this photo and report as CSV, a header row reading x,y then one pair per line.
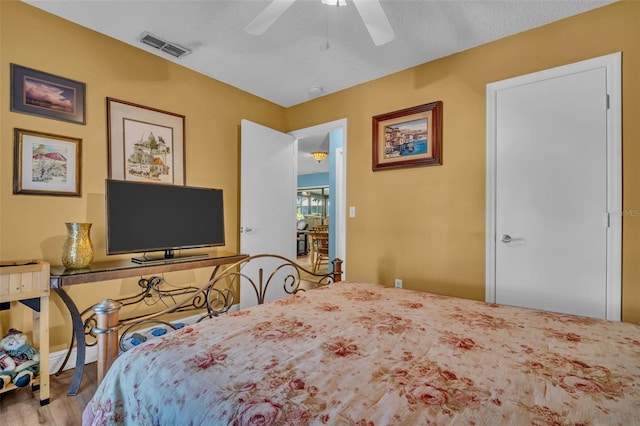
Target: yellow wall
x,y
425,225
32,226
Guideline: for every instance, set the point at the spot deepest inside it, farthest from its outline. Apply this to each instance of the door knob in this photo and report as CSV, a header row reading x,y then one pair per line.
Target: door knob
x,y
505,238
245,229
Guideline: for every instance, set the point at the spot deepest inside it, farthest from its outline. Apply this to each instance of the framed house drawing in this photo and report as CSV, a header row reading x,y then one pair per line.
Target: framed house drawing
x,y
145,144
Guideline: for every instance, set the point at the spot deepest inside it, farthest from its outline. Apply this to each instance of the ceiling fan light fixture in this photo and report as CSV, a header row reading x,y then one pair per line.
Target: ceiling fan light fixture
x,y
338,3
319,155
370,11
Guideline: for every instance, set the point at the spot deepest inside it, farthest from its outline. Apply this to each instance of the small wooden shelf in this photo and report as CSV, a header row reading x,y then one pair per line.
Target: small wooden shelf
x,y
28,282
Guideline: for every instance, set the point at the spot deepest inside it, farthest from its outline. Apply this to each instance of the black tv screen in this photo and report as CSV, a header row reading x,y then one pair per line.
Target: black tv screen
x,y
147,217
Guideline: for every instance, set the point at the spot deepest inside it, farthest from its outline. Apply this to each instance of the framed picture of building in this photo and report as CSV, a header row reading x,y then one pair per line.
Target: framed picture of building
x,y
408,138
46,164
145,144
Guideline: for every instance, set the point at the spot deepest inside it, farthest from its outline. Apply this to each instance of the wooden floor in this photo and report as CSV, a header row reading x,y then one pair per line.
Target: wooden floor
x,y
22,406
305,262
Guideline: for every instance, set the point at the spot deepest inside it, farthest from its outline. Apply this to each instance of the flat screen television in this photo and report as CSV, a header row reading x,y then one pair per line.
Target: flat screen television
x,y
148,217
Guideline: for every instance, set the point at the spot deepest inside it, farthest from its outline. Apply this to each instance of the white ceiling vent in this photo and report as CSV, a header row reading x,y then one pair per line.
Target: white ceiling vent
x,y
165,46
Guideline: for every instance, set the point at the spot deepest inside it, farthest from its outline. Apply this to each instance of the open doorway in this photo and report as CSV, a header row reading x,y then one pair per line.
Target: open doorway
x,y
324,182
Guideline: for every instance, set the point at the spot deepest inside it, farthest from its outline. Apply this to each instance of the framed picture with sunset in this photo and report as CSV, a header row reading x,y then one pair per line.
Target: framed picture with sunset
x,y
46,95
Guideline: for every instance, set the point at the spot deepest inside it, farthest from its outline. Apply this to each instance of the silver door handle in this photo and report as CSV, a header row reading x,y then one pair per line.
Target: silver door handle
x,y
245,229
505,238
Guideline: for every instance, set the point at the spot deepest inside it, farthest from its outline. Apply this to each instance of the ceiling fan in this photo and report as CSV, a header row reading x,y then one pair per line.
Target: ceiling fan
x,y
370,11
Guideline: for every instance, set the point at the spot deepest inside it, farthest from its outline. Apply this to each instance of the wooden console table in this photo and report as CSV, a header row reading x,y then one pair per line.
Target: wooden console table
x,y
118,269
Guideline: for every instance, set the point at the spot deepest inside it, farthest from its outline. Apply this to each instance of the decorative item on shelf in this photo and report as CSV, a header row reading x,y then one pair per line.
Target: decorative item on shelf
x,y
319,155
21,357
77,251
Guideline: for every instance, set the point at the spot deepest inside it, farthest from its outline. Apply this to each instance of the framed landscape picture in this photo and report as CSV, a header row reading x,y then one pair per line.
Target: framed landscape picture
x,y
145,144
46,164
46,95
408,138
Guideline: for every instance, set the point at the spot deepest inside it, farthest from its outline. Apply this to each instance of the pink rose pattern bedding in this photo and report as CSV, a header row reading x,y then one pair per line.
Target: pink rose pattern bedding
x,y
363,354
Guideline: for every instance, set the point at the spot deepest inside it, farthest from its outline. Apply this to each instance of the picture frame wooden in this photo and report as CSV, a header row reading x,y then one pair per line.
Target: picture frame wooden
x,y
46,164
145,144
409,137
46,95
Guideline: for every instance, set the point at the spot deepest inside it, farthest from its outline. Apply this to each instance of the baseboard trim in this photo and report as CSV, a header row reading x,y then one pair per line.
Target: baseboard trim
x,y
57,358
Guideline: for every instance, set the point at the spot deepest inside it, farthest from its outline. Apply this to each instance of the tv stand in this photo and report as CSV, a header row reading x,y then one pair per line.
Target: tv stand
x,y
61,278
167,258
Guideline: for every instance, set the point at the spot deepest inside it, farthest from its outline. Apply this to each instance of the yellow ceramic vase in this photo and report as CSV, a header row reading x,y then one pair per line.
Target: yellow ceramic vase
x,y
77,251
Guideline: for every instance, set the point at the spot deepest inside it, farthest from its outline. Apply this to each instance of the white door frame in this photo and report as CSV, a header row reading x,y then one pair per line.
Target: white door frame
x,y
341,181
341,203
612,64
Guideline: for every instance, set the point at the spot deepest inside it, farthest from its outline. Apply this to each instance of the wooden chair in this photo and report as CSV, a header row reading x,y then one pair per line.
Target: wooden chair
x,y
321,248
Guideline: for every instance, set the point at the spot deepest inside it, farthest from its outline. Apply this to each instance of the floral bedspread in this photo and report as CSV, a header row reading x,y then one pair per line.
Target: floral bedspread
x,y
363,354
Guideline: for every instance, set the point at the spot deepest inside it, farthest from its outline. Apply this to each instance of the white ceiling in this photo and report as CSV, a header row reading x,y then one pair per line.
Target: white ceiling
x,y
292,55
311,44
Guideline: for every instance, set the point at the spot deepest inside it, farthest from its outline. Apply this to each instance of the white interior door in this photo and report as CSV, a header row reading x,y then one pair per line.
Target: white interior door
x,y
551,200
267,198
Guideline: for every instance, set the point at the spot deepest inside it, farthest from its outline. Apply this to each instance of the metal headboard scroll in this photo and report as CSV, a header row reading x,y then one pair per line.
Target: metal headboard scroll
x,y
294,275
216,297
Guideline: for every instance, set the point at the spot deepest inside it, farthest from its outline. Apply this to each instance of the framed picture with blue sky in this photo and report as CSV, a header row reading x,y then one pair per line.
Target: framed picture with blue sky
x,y
408,138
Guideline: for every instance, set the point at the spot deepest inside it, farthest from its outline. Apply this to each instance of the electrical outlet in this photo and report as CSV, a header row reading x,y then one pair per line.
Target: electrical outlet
x,y
398,283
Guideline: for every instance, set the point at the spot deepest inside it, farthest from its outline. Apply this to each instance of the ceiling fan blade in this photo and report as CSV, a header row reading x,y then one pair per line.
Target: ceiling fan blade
x,y
268,16
375,20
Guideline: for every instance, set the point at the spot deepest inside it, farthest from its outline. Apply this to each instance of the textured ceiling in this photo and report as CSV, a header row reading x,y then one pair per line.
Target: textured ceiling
x,y
311,44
